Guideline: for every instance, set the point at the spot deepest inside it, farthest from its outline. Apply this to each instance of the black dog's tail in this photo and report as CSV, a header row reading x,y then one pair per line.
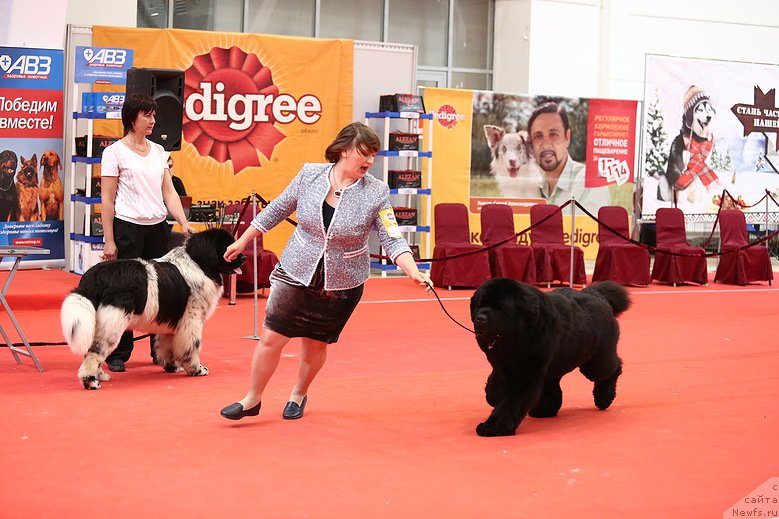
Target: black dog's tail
x,y
615,294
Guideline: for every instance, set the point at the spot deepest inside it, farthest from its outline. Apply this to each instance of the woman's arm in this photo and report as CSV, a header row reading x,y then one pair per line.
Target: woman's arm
x,y
406,262
173,202
108,195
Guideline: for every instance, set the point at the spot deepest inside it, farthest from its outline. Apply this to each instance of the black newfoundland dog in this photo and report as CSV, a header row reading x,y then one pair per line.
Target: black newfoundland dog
x,y
533,338
171,297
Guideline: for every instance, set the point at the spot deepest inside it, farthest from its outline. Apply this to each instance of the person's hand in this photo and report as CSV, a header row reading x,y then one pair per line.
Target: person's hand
x,y
109,251
188,229
234,250
424,281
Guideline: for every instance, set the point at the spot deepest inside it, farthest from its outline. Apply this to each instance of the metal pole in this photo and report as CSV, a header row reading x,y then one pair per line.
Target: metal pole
x,y
254,269
573,247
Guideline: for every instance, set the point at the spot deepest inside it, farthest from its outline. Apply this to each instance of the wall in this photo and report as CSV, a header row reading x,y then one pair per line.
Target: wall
x,y
597,48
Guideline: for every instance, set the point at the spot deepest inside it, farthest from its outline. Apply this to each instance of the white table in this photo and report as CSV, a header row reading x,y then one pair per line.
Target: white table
x,y
18,253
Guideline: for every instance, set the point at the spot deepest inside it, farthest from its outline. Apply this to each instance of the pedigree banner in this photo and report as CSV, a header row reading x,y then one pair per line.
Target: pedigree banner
x,y
482,154
256,107
710,126
32,197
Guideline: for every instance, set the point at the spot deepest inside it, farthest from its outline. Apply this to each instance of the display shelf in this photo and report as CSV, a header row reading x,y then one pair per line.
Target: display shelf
x,y
420,198
85,160
114,114
90,200
85,238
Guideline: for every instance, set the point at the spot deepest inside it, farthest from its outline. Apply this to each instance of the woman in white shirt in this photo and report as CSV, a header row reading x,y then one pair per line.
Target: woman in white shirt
x,y
137,194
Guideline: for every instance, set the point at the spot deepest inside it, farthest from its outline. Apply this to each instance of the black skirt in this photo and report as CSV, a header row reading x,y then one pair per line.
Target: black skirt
x,y
295,310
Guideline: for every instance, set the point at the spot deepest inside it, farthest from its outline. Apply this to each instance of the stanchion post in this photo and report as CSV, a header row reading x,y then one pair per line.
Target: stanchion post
x,y
573,247
254,270
766,222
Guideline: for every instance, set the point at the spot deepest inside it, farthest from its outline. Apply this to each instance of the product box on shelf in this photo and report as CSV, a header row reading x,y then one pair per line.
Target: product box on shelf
x,y
96,224
403,141
415,252
102,101
401,103
99,144
405,215
86,255
405,178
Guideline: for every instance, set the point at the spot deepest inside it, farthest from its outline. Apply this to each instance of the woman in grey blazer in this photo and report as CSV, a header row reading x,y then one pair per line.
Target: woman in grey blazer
x,y
319,278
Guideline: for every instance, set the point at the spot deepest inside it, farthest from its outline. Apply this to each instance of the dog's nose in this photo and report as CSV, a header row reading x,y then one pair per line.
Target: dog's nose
x,y
480,320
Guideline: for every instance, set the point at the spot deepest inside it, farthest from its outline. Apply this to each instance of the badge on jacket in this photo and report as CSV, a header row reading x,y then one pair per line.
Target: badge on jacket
x,y
390,223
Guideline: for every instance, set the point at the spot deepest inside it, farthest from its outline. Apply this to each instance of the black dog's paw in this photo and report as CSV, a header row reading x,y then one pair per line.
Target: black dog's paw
x,y
488,429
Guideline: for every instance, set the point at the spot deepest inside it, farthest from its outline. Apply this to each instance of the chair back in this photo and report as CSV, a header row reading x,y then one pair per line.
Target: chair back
x,y
732,229
497,223
616,217
551,231
669,226
451,224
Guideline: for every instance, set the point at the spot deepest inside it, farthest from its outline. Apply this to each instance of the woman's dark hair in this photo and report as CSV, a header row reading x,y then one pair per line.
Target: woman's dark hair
x,y
133,105
354,135
549,108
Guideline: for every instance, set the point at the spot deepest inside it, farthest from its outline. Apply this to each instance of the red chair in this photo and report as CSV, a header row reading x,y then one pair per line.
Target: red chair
x,y
671,236
553,256
266,259
452,237
509,260
619,260
739,266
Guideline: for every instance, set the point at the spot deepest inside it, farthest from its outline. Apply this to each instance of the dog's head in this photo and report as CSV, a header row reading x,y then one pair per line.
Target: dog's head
x,y
207,249
8,164
501,310
510,151
50,161
698,112
28,174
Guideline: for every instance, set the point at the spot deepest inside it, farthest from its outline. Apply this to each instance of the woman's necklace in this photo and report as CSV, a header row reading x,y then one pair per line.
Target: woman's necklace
x,y
338,191
140,148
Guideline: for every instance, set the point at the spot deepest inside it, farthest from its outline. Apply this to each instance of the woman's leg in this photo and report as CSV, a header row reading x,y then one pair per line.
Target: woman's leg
x,y
313,354
264,363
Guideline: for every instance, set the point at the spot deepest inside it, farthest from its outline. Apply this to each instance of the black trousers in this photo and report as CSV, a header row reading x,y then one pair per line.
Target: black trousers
x,y
137,241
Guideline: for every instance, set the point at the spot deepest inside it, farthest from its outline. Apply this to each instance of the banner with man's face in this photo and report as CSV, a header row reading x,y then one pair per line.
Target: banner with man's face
x,y
256,107
486,151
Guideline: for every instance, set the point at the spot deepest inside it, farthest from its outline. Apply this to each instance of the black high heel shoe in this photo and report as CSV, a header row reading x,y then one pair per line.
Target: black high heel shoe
x,y
236,411
293,411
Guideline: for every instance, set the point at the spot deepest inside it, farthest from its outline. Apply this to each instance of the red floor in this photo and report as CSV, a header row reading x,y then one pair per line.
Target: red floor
x,y
389,427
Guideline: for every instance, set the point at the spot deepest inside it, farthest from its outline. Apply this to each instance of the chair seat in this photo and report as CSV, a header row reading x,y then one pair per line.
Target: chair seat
x,y
469,271
675,260
741,267
513,261
553,264
626,264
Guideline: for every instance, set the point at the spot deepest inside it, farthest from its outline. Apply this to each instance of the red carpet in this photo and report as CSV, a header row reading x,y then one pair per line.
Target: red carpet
x,y
389,427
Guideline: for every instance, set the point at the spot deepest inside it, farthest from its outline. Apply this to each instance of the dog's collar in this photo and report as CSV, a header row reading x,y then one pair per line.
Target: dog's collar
x,y
492,344
9,184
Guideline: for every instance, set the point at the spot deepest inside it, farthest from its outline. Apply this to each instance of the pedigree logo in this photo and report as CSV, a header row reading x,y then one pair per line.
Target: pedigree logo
x,y
232,108
447,116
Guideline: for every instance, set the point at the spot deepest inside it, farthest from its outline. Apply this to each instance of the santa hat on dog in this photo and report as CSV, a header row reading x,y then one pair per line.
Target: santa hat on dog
x,y
692,98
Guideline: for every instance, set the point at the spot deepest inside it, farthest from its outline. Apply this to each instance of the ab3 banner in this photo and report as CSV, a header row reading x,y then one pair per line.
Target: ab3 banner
x,y
31,131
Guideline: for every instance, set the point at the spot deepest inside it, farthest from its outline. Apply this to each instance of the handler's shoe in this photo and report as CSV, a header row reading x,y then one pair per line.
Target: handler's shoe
x,y
293,411
116,365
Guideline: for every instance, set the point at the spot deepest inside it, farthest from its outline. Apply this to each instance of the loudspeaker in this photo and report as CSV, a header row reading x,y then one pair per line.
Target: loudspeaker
x,y
166,86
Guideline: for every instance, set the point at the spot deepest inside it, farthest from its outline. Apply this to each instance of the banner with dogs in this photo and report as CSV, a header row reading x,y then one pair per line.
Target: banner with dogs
x,y
575,147
256,107
31,138
709,127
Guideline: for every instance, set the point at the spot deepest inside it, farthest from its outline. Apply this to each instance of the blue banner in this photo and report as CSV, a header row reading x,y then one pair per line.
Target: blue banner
x,y
38,69
103,65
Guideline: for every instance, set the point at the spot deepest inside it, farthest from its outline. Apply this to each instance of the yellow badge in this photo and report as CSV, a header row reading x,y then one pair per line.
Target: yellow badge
x,y
390,223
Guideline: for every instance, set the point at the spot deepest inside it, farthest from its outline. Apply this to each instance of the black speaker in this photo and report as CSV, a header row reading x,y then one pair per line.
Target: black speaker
x,y
166,86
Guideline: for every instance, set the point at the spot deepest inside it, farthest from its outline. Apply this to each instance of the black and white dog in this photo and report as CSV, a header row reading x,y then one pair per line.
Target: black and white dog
x,y
171,297
510,164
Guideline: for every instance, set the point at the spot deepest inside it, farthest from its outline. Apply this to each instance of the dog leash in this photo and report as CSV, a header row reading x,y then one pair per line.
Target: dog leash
x,y
20,344
430,286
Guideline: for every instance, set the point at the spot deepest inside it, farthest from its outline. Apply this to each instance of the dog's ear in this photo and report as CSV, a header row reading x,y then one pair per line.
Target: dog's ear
x,y
494,134
202,247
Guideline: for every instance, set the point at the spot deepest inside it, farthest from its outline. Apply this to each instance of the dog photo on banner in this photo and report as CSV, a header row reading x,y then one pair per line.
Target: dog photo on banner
x,y
710,127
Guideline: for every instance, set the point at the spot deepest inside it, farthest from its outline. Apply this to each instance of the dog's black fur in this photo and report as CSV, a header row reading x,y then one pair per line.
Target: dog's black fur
x,y
9,196
171,297
533,338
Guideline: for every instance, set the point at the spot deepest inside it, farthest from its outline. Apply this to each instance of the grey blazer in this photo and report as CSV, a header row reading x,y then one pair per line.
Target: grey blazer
x,y
364,206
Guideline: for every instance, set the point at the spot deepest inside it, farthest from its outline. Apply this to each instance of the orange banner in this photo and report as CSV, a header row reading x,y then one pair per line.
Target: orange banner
x,y
256,107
